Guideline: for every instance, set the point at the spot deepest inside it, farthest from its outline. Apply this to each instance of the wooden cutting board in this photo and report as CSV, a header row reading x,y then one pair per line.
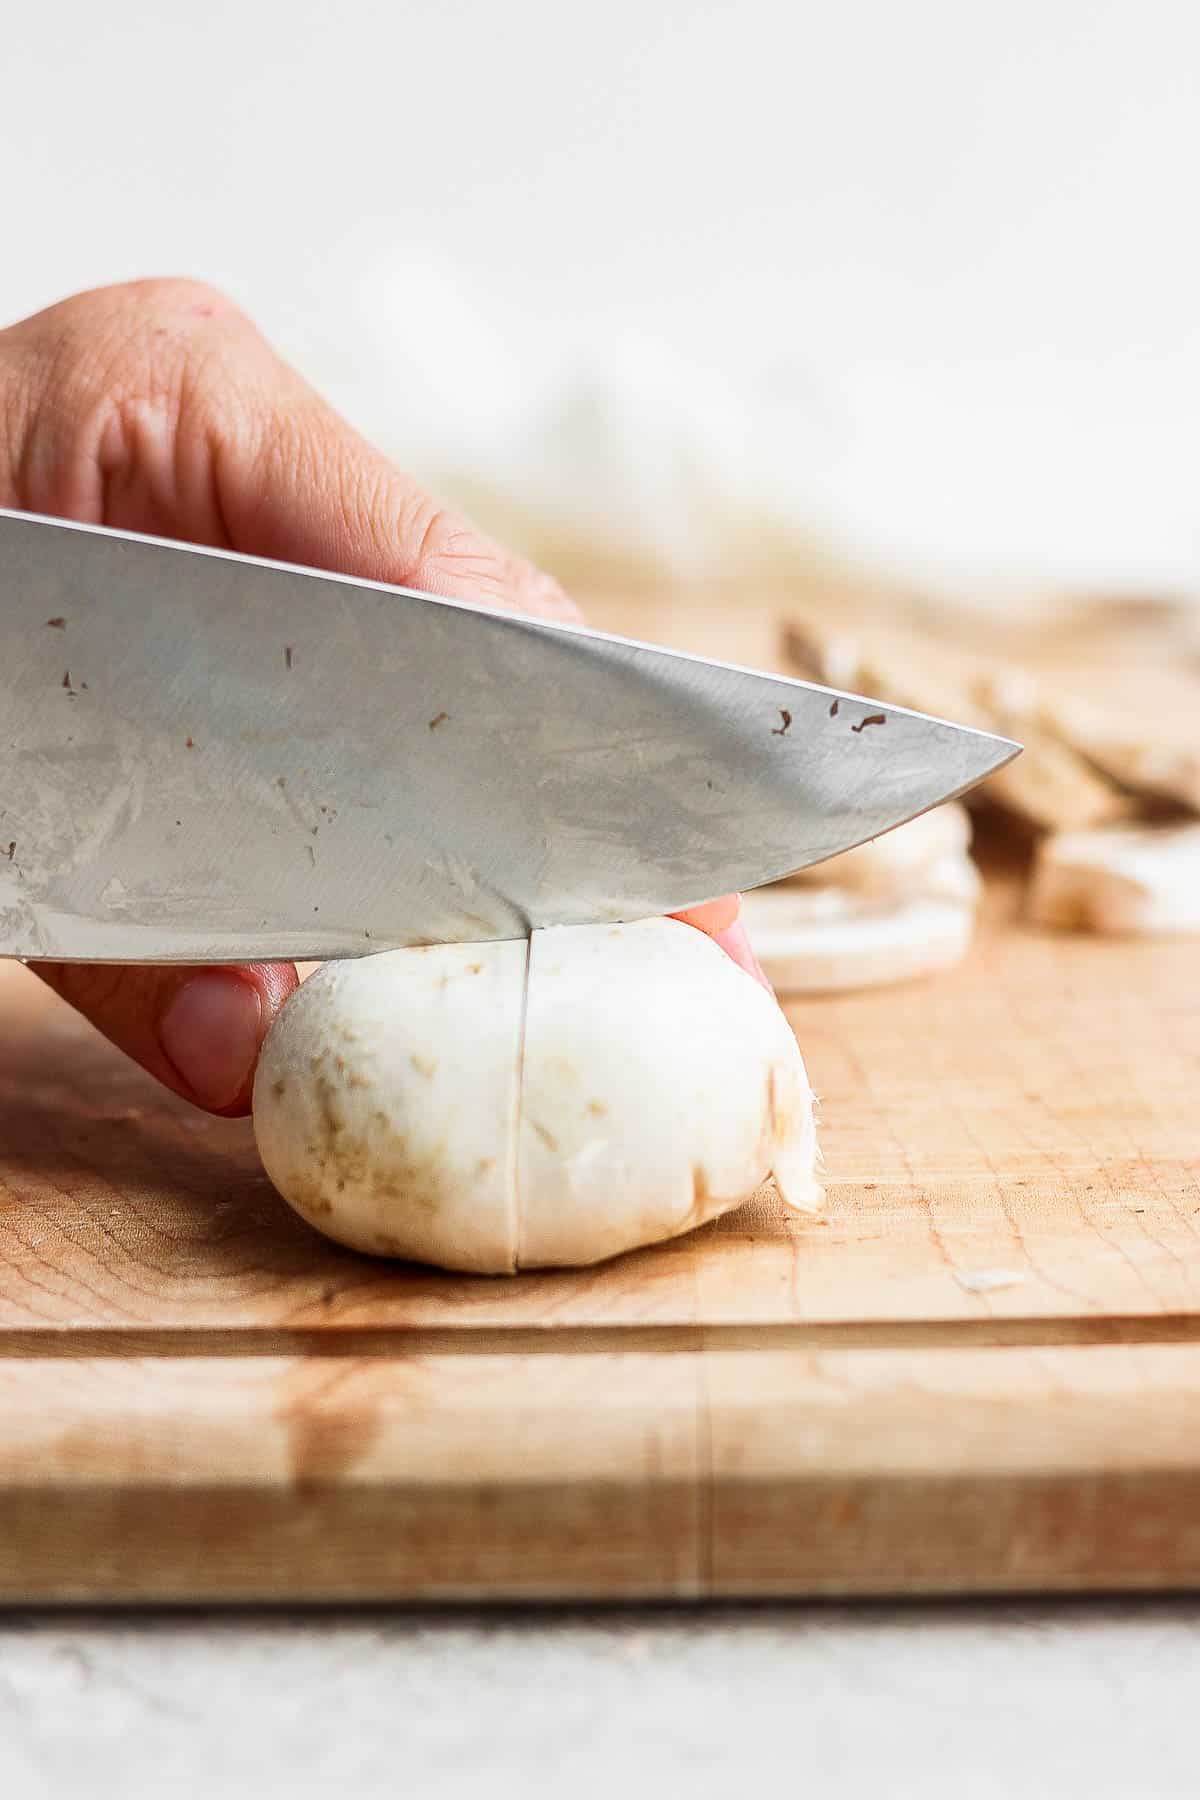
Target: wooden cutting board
x,y
980,1370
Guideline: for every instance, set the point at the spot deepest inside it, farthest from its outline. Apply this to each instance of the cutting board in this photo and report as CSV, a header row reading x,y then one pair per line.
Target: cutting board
x,y
980,1371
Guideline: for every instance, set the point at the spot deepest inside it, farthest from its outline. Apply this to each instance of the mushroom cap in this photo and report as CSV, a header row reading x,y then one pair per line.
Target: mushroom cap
x,y
385,1102
490,1106
661,1085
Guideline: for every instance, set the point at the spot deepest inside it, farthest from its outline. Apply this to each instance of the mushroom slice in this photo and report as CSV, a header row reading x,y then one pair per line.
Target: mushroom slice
x,y
928,854
828,940
1128,880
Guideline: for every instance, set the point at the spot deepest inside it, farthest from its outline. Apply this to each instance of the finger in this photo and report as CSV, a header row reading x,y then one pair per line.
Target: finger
x,y
714,916
721,921
198,1030
157,406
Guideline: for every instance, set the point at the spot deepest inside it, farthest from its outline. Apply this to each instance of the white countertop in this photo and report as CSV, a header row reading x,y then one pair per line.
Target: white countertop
x,y
1087,1698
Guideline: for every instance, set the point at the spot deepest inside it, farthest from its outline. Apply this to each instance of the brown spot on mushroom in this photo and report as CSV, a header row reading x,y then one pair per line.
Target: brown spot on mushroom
x,y
350,1076
597,1109
414,1183
327,1094
782,1104
306,1196
439,720
57,624
485,1165
362,1162
279,1088
547,1137
424,1065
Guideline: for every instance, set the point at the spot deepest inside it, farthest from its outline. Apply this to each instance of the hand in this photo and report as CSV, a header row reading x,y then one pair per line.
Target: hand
x,y
157,407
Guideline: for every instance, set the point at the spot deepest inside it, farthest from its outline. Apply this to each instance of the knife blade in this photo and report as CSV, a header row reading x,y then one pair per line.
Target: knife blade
x,y
207,757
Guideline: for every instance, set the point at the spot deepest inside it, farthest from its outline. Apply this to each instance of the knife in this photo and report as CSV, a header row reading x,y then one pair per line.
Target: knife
x,y
207,757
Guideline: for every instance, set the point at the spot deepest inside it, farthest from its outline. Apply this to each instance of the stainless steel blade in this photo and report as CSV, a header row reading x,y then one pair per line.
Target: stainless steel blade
x,y
206,757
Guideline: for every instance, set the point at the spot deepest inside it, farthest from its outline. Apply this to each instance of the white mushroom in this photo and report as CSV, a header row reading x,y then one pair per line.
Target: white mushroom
x,y
495,1106
830,940
1130,880
923,856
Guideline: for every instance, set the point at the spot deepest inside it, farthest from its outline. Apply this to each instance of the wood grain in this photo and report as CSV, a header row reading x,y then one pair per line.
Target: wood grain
x,y
612,1477
980,1370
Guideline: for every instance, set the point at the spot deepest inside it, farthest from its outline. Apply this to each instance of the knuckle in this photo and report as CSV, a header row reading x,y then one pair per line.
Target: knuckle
x,y
451,557
175,294
157,299
126,334
108,368
161,332
125,310
180,308
542,595
436,539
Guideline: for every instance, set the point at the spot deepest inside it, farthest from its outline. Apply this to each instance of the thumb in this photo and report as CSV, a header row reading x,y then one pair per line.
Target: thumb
x,y
199,1030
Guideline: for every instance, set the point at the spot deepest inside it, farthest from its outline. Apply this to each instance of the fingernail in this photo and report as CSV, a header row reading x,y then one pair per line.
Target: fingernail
x,y
735,943
211,1033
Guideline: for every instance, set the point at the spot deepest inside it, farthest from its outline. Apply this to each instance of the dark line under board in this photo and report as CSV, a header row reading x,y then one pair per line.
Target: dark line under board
x,y
593,1340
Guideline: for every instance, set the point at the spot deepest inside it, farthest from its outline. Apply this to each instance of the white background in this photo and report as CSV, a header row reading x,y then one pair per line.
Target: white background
x,y
925,274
